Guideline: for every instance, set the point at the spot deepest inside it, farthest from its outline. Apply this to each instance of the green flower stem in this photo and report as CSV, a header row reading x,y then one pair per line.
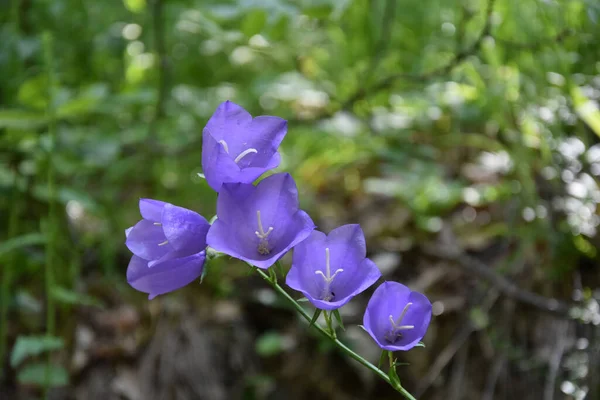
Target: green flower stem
x,y
337,342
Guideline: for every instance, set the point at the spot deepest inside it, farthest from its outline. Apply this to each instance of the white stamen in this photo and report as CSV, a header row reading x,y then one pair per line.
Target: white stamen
x,y
327,295
157,224
244,154
261,232
241,155
163,243
224,144
263,244
395,333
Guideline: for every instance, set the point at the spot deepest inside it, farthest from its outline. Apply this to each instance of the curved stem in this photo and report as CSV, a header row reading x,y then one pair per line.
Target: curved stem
x,y
337,342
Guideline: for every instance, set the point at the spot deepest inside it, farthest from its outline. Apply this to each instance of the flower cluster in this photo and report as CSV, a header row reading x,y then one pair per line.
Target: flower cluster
x,y
261,223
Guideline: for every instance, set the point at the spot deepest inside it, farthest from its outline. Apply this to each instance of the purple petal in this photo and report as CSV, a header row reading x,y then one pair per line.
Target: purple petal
x,y
299,229
218,166
355,279
146,240
151,209
184,229
418,315
237,148
264,134
227,118
391,298
381,306
238,206
276,197
234,125
165,277
252,172
305,262
242,244
226,239
232,204
348,240
346,249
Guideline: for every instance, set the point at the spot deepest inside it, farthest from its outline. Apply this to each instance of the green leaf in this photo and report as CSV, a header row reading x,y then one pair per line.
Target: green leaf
x,y
22,120
28,346
586,109
479,318
29,239
40,374
67,296
269,344
135,6
315,317
338,318
32,92
254,22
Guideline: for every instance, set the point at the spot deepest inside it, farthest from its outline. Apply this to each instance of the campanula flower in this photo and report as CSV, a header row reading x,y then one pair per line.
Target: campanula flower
x,y
259,224
331,269
397,318
169,247
237,148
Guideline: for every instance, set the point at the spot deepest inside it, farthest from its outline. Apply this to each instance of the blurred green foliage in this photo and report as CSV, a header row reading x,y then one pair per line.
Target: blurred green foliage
x,y
478,115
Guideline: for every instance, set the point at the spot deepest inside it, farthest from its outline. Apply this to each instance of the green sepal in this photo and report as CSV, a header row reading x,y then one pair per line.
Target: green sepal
x,y
204,272
382,358
393,375
338,318
280,269
302,300
272,275
212,220
316,315
420,344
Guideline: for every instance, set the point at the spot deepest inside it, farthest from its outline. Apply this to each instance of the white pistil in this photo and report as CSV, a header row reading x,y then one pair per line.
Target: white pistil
x,y
327,295
263,244
395,333
244,154
157,224
163,243
224,144
241,155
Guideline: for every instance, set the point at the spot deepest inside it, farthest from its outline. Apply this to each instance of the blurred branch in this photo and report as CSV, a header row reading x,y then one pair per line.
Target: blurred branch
x,y
559,37
481,270
443,70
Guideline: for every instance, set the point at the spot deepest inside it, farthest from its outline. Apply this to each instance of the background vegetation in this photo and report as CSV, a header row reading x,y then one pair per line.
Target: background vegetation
x,y
461,134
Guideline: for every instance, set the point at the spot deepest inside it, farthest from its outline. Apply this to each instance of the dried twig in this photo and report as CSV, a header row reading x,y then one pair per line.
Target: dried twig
x,y
481,270
453,347
554,367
